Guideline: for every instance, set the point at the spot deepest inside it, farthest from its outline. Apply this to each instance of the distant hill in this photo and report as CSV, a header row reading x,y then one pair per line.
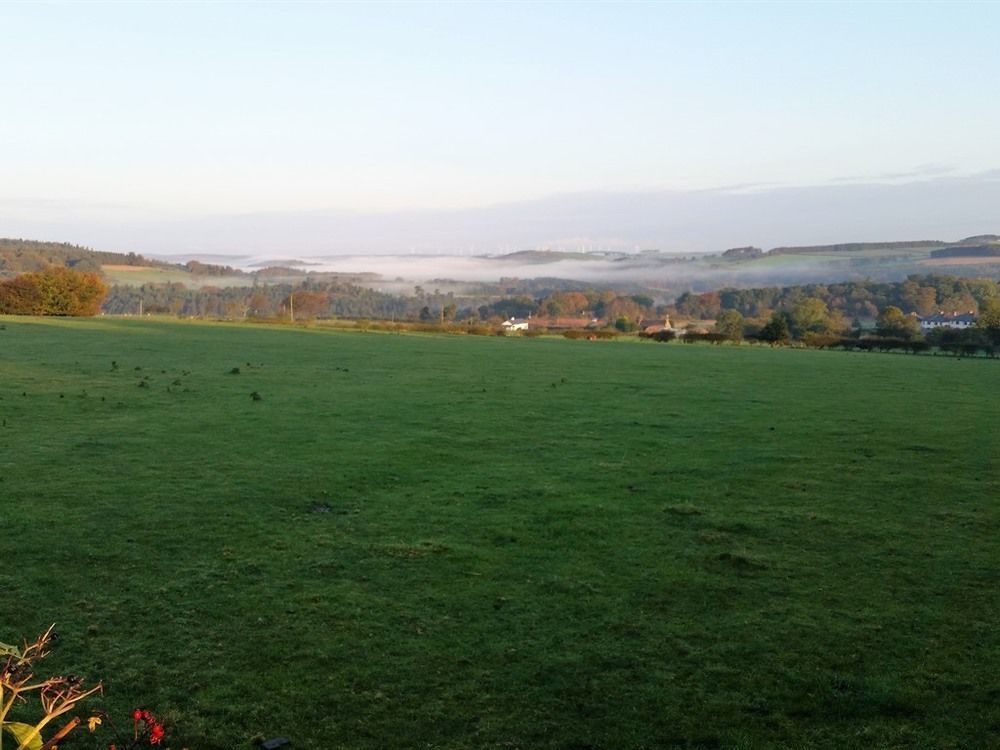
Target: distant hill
x,y
979,239
743,253
660,274
547,256
22,256
967,251
858,247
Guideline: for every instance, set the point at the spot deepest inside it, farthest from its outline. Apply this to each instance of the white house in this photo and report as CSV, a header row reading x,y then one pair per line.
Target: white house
x,y
947,320
514,324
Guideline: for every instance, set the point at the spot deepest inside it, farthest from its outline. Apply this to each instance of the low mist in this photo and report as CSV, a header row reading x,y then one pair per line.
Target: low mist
x,y
668,221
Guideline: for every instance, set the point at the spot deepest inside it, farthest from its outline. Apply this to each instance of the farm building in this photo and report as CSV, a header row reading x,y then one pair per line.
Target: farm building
x,y
655,325
515,324
947,320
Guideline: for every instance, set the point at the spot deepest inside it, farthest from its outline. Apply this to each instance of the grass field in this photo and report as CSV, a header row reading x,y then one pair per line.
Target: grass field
x,y
879,258
463,542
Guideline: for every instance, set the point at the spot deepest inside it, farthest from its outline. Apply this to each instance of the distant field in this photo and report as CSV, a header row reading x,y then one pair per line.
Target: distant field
x,y
888,256
962,261
123,268
464,542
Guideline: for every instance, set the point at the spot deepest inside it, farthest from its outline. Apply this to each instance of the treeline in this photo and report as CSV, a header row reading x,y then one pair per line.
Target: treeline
x,y
920,294
26,256
604,304
316,298
801,315
538,287
815,308
969,343
307,300
198,268
52,291
970,251
854,247
811,325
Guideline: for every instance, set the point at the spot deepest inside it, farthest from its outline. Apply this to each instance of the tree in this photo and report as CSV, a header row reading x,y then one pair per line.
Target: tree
x,y
920,299
623,307
508,307
730,324
259,304
705,306
625,325
306,305
236,308
892,323
989,320
19,296
53,291
777,330
810,316
554,307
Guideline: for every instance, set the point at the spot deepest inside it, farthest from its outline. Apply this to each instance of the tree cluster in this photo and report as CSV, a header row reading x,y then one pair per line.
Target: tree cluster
x,y
894,331
53,291
624,310
301,301
967,251
921,294
211,269
24,256
743,253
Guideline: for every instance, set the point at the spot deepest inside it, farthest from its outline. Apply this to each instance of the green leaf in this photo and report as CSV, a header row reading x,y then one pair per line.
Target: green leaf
x,y
7,650
21,733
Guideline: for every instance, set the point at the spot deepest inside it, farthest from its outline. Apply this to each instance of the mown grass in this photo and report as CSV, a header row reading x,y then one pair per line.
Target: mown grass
x,y
467,542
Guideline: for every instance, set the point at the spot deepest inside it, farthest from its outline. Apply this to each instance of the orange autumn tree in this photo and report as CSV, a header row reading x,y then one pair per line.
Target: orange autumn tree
x,y
53,291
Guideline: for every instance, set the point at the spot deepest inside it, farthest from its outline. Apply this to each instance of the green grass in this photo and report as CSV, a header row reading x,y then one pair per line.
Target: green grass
x,y
460,542
886,256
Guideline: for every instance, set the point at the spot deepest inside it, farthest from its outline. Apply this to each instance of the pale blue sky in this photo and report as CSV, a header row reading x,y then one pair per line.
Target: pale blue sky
x,y
181,109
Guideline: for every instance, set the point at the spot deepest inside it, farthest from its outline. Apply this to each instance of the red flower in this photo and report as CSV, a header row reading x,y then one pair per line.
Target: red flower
x,y
156,734
136,715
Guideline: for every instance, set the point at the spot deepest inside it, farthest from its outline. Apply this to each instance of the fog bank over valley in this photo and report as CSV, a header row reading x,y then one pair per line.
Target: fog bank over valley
x,y
593,268
673,222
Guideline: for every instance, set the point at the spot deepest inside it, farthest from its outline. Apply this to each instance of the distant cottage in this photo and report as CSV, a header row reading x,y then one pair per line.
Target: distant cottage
x,y
650,326
514,324
947,320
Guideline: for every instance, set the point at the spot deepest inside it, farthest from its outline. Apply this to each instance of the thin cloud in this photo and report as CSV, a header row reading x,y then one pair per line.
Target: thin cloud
x,y
922,170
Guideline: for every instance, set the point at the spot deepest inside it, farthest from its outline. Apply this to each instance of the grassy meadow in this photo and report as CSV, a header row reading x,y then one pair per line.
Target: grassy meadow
x,y
460,542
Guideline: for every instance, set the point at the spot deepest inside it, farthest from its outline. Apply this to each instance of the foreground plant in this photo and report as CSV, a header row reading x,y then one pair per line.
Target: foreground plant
x,y
58,695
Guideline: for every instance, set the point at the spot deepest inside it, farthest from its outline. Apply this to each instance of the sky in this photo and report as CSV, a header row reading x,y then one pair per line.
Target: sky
x,y
119,119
